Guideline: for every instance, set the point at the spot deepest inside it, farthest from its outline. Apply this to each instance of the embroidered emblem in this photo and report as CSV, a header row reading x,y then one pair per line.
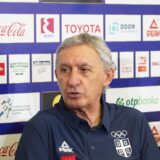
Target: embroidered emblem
x,y
65,147
122,143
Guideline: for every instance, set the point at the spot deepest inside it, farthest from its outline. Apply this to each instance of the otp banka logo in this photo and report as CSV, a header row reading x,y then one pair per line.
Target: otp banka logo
x,y
133,102
47,25
130,102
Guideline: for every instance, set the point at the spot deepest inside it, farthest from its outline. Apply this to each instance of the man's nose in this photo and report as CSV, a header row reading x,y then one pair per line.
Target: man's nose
x,y
74,78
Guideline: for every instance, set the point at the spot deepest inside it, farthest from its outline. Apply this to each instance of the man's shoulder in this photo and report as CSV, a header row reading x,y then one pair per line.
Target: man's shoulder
x,y
45,116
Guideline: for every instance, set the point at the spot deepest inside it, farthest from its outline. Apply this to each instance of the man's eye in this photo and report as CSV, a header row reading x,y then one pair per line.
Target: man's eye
x,y
65,70
85,70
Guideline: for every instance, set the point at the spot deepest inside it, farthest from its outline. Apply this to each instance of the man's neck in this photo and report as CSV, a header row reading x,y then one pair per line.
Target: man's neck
x,y
93,116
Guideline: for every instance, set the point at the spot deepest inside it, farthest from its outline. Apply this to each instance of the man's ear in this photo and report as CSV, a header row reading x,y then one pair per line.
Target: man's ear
x,y
109,77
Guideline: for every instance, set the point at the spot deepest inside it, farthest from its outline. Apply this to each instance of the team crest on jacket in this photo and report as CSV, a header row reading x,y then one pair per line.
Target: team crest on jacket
x,y
122,143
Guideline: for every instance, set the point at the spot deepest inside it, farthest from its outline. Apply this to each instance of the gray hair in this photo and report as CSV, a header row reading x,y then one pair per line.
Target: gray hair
x,y
92,41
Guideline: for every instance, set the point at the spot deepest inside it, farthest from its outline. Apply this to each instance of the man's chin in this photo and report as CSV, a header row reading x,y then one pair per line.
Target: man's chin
x,y
74,104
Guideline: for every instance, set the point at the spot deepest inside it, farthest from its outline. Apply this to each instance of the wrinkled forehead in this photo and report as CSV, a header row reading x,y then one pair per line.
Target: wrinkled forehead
x,y
78,54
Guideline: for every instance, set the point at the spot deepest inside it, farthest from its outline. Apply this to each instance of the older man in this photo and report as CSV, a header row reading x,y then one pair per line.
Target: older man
x,y
82,126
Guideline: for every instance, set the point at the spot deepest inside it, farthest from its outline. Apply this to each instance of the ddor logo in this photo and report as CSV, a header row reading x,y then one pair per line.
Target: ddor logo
x,y
123,28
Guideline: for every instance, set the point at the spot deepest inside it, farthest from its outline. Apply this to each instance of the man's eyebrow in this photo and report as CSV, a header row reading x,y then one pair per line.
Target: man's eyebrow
x,y
86,65
80,65
63,65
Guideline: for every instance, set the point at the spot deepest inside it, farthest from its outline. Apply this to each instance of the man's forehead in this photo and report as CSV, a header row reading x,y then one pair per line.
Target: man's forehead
x,y
83,64
79,55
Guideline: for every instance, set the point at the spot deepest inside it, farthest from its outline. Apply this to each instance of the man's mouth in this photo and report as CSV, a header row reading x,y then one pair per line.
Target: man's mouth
x,y
74,94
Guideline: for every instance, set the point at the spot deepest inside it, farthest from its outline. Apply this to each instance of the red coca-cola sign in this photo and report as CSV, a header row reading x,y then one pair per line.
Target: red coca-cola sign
x,y
16,29
9,150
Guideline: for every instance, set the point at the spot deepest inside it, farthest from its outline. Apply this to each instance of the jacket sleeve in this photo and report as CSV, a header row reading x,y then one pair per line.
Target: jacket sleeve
x,y
32,145
149,148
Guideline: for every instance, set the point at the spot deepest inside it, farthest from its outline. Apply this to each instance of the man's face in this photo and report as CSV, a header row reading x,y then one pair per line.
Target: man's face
x,y
81,76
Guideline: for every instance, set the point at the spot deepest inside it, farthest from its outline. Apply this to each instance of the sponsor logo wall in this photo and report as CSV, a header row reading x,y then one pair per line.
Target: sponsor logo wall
x,y
86,23
8,146
34,68
17,28
30,34
123,28
41,67
141,98
18,106
47,28
151,31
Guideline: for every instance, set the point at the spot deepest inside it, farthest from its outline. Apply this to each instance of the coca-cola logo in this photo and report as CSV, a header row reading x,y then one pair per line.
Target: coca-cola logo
x,y
9,150
16,29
